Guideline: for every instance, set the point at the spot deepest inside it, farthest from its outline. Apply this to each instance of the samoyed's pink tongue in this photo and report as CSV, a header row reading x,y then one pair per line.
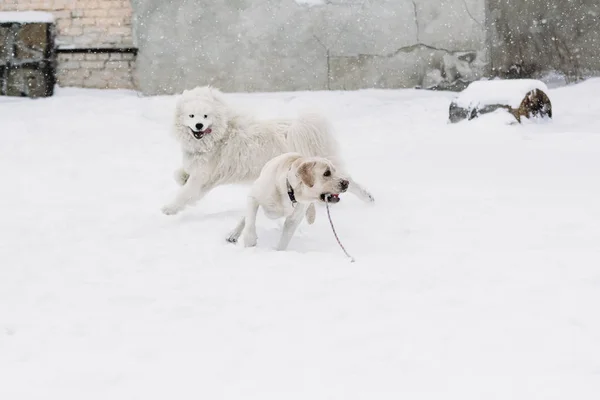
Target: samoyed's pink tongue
x,y
209,130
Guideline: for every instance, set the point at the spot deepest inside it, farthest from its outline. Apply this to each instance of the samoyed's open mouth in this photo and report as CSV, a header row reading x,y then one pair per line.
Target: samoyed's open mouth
x,y
200,134
330,197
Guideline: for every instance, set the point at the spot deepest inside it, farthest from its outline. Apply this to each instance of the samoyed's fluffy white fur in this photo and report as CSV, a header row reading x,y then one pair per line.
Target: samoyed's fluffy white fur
x,y
221,145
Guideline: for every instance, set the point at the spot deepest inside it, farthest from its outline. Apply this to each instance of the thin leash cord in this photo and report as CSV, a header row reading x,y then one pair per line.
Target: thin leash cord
x,y
335,233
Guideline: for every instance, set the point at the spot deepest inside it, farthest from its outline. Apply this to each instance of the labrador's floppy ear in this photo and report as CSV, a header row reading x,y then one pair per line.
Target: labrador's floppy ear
x,y
305,173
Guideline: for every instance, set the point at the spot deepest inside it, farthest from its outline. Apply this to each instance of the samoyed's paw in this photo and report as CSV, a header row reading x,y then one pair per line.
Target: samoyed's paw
x,y
171,209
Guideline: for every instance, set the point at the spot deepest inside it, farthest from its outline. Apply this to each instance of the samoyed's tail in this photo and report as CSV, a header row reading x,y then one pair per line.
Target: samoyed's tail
x,y
311,135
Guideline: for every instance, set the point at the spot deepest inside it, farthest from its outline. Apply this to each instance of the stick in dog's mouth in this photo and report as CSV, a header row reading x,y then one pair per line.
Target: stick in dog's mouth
x,y
330,198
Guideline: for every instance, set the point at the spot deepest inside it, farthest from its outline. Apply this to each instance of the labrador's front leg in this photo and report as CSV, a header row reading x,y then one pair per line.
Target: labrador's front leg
x,y
290,225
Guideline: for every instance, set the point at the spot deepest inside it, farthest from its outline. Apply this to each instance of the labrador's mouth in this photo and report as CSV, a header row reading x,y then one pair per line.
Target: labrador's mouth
x,y
330,198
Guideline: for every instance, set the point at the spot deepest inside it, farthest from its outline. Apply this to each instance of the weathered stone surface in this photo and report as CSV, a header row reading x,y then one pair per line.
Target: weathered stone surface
x,y
33,42
244,45
533,37
6,38
413,66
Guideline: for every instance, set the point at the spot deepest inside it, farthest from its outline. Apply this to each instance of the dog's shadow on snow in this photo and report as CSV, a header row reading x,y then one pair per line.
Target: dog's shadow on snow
x,y
302,242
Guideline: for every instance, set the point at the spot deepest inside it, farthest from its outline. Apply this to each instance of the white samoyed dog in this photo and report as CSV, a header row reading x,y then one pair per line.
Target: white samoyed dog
x,y
221,145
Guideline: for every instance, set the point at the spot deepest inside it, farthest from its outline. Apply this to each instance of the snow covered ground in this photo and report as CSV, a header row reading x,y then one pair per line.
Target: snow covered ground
x,y
477,273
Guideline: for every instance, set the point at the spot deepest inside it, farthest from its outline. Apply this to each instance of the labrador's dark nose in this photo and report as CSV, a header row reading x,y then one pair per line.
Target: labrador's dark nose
x,y
344,185
199,126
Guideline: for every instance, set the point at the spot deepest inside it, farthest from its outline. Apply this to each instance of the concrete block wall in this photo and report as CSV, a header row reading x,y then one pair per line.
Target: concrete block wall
x,y
272,45
248,45
100,70
93,38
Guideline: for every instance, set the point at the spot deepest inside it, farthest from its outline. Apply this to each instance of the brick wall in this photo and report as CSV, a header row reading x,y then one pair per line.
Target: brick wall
x,y
93,37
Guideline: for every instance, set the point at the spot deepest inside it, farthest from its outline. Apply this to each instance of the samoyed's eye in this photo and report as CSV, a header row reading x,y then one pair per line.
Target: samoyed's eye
x,y
327,173
191,115
206,116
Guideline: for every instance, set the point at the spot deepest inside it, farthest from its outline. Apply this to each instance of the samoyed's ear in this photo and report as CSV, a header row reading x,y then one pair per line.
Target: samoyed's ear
x,y
179,98
216,94
179,101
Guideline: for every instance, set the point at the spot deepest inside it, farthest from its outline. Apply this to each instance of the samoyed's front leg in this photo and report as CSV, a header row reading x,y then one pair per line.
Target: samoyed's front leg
x,y
237,232
193,190
360,192
181,177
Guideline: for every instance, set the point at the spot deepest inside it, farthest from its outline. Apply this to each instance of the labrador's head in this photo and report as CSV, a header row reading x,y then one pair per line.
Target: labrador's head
x,y
321,180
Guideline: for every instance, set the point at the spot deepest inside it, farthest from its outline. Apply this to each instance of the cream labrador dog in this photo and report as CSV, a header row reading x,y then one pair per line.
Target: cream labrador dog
x,y
288,186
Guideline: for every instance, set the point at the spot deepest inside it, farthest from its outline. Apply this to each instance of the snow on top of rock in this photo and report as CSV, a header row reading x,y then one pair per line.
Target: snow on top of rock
x,y
24,17
510,92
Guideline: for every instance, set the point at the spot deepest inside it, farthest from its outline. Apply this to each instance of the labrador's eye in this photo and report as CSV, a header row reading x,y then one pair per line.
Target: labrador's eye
x,y
327,173
191,115
206,116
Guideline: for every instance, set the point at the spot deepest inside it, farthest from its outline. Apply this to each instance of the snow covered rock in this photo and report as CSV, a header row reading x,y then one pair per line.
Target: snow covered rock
x,y
520,97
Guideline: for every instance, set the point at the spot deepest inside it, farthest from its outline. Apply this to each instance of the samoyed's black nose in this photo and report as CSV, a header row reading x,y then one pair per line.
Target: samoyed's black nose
x,y
199,126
